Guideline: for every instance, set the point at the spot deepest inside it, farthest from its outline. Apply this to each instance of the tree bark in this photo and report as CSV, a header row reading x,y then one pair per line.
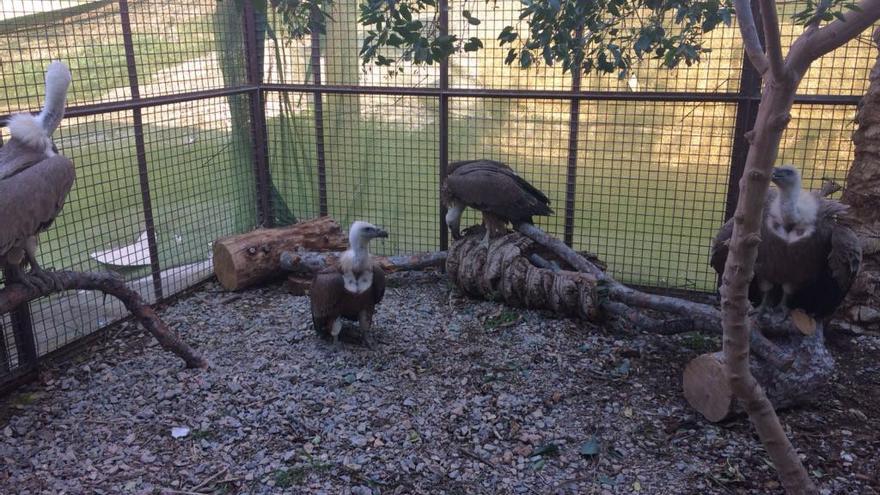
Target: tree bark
x,y
244,260
503,272
773,117
15,294
861,309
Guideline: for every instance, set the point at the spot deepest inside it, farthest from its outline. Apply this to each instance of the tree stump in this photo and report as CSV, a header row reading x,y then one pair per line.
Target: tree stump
x,y
707,386
244,260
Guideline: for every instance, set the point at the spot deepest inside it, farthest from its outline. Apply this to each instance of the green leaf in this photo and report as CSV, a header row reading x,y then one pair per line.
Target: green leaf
x,y
508,35
470,18
511,56
590,448
547,449
526,59
473,44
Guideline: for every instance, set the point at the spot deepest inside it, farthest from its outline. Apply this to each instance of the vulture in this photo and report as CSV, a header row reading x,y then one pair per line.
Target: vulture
x,y
496,190
34,182
350,290
808,257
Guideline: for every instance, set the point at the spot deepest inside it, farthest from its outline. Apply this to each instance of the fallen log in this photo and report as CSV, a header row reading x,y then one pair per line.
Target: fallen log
x,y
16,294
244,260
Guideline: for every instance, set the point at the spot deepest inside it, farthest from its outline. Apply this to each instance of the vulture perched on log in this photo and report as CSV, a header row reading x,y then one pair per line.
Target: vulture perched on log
x,y
496,190
808,257
34,182
350,290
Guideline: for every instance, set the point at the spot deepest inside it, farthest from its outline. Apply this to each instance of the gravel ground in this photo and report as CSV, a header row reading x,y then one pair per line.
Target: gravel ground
x,y
460,397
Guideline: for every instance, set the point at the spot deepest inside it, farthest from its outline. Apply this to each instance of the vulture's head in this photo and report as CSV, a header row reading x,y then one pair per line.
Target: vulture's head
x,y
361,233
786,177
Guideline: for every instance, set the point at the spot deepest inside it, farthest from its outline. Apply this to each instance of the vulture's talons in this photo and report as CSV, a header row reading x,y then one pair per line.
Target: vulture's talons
x,y
46,280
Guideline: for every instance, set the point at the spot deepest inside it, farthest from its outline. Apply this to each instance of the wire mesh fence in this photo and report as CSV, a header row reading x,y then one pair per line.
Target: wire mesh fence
x,y
190,121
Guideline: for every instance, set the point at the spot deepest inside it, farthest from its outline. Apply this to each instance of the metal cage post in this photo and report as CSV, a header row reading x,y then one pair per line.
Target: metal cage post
x,y
443,137
140,148
315,61
746,115
257,109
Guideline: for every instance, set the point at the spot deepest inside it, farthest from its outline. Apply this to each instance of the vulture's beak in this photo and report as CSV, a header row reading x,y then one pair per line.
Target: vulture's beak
x,y
381,233
776,176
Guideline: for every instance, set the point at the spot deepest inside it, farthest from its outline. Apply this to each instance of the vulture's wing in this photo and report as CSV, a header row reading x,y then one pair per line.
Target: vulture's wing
x,y
327,289
822,297
488,163
721,246
497,190
31,198
378,287
845,258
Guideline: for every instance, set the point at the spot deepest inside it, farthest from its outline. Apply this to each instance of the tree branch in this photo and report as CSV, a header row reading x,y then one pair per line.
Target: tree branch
x,y
309,262
814,43
16,294
567,254
703,317
751,42
772,38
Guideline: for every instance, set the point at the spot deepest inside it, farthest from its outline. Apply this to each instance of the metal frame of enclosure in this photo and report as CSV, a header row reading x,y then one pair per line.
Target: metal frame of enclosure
x,y
25,339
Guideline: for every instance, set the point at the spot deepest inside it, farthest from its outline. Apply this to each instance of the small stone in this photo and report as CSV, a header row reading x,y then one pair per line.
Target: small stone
x,y
358,441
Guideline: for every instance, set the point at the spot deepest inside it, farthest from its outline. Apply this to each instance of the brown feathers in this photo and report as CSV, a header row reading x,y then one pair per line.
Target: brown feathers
x,y
817,270
494,189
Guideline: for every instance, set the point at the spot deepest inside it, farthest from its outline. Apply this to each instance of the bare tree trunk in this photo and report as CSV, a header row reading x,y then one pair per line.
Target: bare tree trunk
x,y
773,117
781,76
862,305
15,294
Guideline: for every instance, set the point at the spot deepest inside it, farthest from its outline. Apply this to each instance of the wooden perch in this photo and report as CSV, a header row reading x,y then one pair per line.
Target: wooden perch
x,y
309,262
524,272
694,316
16,294
244,260
304,264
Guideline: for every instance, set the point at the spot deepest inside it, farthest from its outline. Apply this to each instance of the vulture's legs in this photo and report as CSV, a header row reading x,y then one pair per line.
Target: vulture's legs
x,y
786,295
335,330
38,276
365,318
767,292
453,220
16,274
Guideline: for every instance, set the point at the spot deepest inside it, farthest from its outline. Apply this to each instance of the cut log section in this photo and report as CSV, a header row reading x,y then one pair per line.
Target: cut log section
x,y
244,260
503,271
707,386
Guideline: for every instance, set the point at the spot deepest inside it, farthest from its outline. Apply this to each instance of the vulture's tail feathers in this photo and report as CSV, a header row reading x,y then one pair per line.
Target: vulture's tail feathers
x,y
28,129
36,131
57,81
